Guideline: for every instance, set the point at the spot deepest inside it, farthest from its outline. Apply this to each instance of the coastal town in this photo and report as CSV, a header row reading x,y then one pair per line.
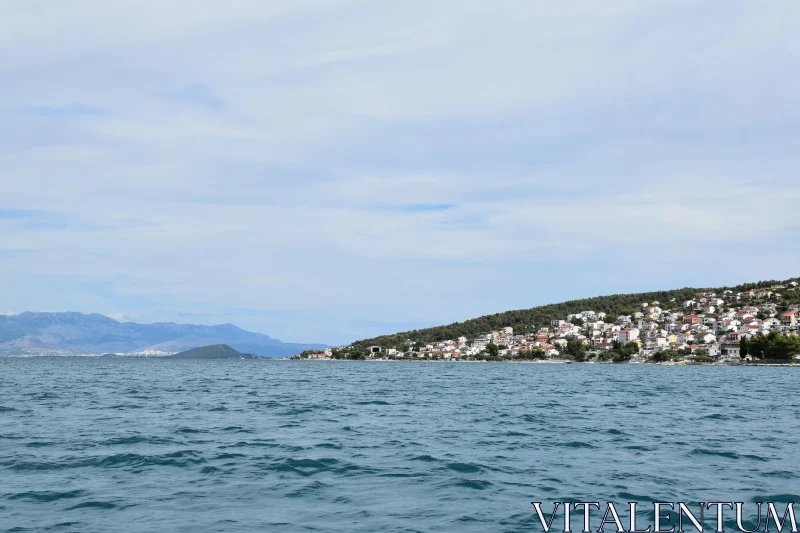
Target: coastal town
x,y
711,327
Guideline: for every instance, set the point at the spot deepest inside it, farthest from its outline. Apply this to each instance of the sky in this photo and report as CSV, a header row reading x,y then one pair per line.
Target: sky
x,y
325,171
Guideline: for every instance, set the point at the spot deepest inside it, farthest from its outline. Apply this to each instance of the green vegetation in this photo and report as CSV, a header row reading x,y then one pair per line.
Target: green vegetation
x,y
355,353
529,320
532,355
306,353
620,353
772,346
666,355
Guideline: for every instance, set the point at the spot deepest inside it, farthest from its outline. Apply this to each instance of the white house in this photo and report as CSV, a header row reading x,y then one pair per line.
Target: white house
x,y
770,323
628,335
705,337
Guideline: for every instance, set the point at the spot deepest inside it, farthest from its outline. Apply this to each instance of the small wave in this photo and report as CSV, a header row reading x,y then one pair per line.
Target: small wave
x,y
261,403
475,484
135,439
310,489
44,396
181,458
4,409
783,474
305,467
93,505
639,448
577,444
296,411
178,459
629,497
125,406
728,455
373,402
47,496
464,468
237,429
425,458
61,524
39,444
190,430
329,445
229,456
783,498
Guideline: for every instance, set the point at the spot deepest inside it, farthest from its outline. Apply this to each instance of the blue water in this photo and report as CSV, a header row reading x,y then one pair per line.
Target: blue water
x,y
195,446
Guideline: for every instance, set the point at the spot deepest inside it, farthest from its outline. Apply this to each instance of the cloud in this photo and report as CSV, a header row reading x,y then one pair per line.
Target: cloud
x,y
320,171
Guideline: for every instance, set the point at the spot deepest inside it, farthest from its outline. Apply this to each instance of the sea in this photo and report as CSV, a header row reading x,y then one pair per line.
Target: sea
x,y
159,445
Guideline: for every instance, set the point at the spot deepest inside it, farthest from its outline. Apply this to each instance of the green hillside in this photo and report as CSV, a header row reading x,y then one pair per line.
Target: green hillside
x,y
529,320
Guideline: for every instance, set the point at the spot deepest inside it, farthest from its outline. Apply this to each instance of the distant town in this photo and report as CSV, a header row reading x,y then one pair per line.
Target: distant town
x,y
724,327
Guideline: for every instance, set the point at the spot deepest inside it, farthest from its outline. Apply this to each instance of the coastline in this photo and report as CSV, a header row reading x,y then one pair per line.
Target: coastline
x,y
559,362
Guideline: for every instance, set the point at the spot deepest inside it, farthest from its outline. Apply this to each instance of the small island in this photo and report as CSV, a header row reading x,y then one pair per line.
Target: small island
x,y
216,351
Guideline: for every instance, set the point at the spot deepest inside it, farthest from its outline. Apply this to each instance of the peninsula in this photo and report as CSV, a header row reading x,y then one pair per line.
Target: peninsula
x,y
755,322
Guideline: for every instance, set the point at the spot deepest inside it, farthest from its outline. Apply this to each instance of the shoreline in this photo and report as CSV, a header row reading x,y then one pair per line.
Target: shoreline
x,y
559,362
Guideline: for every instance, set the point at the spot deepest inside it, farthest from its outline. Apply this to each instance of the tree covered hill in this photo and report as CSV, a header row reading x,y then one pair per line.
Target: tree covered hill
x,y
217,351
529,320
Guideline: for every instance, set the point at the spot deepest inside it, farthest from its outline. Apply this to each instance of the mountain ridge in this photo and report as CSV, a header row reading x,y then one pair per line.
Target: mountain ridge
x,y
32,333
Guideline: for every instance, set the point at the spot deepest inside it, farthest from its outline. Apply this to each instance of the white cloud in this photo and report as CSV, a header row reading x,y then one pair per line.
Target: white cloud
x,y
259,155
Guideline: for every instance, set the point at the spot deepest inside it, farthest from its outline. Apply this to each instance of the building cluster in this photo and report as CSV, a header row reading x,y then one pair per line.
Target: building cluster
x,y
714,323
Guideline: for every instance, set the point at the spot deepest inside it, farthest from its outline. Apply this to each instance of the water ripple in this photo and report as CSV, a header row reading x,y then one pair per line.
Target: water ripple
x,y
139,445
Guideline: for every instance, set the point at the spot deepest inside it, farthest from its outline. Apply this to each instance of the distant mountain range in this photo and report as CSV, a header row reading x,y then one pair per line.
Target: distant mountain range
x,y
78,333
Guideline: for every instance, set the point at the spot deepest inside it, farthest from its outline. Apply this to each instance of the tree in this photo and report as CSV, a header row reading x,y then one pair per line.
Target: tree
x,y
665,355
632,348
492,350
774,346
576,348
532,354
743,348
